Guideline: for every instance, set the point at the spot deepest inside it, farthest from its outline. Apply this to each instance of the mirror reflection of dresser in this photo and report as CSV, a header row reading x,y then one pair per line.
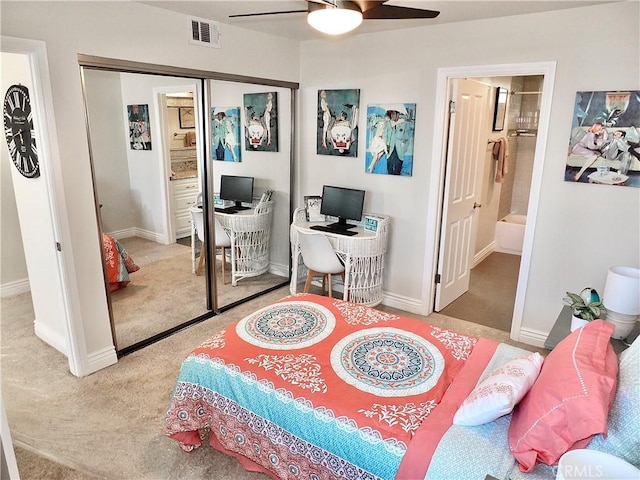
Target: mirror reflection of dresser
x,y
184,187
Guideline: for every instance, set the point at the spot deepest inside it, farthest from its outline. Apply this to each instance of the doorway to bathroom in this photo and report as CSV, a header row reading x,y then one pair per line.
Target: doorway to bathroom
x,y
497,249
524,131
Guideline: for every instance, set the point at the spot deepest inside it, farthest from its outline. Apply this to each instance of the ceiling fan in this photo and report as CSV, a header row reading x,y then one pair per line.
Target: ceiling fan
x,y
335,17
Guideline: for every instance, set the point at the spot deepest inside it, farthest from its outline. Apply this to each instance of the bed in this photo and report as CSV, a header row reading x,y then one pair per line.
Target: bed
x,y
311,387
118,262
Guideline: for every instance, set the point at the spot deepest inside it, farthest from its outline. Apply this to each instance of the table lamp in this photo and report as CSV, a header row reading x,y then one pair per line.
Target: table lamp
x,y
621,298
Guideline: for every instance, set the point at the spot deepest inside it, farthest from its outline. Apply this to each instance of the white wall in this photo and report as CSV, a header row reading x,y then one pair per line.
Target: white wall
x,y
127,31
13,267
575,221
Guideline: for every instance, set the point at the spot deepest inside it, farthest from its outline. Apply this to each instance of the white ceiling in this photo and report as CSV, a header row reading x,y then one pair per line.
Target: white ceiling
x,y
294,25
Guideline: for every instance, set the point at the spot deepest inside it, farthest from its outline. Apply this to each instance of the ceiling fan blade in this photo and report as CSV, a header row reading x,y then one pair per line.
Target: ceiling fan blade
x,y
267,13
259,14
372,10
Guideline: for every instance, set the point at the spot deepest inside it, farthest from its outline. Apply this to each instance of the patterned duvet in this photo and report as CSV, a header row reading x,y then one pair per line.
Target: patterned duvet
x,y
311,387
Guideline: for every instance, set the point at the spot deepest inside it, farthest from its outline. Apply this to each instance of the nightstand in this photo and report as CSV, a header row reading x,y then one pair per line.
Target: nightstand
x,y
562,328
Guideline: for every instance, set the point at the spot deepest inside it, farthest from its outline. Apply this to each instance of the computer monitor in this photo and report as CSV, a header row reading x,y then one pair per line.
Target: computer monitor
x,y
344,203
237,189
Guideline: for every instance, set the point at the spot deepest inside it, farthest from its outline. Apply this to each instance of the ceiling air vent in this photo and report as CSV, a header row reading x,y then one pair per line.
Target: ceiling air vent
x,y
205,32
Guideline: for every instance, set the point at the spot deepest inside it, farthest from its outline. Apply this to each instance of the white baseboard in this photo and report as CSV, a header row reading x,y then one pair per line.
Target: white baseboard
x,y
532,337
102,359
15,288
138,232
51,337
483,254
279,269
403,303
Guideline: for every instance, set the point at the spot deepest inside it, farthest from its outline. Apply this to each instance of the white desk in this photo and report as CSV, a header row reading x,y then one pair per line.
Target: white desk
x,y
363,256
249,231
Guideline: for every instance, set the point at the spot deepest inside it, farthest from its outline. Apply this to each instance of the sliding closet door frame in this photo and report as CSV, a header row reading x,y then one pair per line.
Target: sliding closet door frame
x,y
125,66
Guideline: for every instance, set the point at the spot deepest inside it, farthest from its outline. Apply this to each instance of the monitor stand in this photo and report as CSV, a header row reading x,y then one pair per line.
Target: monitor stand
x,y
238,207
341,224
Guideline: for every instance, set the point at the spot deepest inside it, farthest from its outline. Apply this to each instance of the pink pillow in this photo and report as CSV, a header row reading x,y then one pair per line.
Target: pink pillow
x,y
570,400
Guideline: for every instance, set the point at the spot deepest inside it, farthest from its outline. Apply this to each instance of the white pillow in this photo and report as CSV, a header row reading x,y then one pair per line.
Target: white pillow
x,y
500,391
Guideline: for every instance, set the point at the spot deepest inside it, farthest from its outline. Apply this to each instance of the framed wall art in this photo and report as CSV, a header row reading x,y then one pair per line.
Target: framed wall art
x,y
313,204
261,121
337,132
139,133
604,145
500,109
225,128
186,117
390,138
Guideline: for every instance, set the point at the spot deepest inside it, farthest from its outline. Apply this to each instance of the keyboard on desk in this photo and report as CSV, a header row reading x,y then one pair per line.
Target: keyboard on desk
x,y
339,231
226,210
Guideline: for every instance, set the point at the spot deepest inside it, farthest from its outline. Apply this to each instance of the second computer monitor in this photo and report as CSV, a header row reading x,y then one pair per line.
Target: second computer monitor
x,y
237,189
344,203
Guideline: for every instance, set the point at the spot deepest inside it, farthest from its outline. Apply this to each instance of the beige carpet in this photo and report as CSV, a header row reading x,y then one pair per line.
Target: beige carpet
x,y
165,293
491,295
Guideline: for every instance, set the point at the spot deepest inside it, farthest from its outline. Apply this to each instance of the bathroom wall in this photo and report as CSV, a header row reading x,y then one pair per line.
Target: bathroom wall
x,y
522,124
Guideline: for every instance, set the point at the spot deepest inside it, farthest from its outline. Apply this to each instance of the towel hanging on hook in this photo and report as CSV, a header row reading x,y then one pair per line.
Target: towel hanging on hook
x,y
501,155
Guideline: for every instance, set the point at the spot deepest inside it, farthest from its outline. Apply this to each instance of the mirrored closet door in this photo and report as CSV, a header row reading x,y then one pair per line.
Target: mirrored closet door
x,y
261,117
156,175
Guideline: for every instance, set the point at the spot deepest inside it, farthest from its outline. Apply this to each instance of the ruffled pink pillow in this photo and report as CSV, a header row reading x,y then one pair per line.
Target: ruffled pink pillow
x,y
570,400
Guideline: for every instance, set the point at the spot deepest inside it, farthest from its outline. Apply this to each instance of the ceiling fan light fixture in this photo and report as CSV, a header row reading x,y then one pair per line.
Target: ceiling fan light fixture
x,y
334,21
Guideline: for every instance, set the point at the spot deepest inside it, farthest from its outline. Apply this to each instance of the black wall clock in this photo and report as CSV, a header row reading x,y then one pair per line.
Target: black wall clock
x,y
18,130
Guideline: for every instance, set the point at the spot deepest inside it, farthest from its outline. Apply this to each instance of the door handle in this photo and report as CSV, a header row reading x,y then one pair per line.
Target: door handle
x,y
476,205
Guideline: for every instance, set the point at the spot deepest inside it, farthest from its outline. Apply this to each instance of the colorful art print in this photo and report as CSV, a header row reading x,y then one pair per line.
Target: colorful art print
x,y
338,122
225,128
390,138
261,122
604,145
139,129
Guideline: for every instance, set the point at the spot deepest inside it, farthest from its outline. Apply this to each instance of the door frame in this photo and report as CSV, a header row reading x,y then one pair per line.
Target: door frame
x,y
51,164
435,197
161,123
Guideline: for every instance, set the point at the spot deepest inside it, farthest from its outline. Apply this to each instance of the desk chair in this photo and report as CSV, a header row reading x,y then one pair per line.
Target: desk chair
x,y
320,259
222,239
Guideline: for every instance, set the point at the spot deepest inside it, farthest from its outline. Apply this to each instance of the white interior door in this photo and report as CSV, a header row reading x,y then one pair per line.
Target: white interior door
x,y
466,145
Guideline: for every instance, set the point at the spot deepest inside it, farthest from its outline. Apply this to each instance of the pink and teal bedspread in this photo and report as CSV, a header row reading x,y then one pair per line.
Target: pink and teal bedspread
x,y
312,387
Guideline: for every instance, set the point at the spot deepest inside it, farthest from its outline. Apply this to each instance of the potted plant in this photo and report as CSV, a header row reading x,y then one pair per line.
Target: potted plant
x,y
585,307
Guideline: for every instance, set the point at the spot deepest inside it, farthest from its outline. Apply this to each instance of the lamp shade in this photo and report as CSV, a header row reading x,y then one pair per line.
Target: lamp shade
x,y
334,21
622,290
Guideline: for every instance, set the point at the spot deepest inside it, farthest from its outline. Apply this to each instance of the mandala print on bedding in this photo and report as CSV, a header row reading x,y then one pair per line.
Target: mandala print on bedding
x,y
287,325
388,362
356,314
460,345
